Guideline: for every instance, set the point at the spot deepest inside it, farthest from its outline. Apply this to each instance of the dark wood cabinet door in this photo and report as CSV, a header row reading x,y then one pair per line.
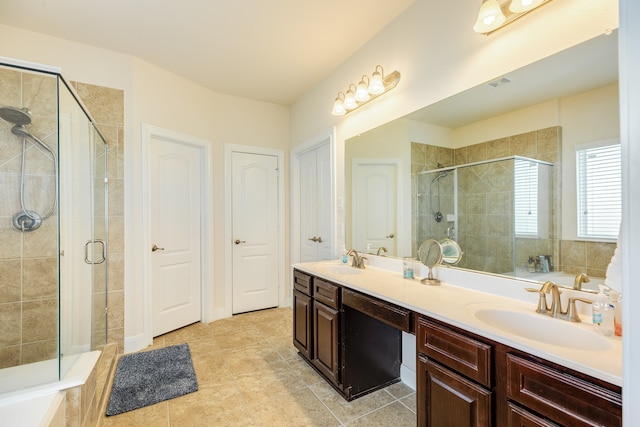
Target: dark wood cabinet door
x,y
446,399
325,348
302,321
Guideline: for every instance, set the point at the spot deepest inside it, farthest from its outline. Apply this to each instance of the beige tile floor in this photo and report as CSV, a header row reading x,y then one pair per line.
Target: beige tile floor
x,y
249,374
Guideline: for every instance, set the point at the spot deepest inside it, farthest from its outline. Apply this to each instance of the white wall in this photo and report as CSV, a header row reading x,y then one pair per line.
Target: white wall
x,y
163,99
630,139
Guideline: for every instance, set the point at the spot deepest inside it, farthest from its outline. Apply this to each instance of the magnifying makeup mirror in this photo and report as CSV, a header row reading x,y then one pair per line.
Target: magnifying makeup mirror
x,y
451,252
430,254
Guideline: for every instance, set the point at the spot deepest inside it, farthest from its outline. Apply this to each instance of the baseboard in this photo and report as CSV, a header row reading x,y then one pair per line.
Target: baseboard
x,y
408,376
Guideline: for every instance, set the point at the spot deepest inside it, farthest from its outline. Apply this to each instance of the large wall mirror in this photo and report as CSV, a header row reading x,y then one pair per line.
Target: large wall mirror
x,y
497,169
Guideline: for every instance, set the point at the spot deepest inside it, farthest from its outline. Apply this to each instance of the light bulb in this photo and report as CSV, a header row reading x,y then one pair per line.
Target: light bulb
x,y
350,100
376,87
490,17
338,107
362,94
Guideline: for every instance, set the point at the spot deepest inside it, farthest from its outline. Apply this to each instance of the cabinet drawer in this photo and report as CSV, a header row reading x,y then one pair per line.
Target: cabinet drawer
x,y
459,352
302,282
519,417
560,396
325,292
392,315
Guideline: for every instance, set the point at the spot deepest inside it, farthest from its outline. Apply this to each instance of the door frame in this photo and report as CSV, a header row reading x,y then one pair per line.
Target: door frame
x,y
205,148
296,153
229,149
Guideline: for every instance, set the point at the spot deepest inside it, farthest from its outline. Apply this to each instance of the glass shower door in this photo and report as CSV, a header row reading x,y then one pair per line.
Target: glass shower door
x,y
83,265
99,314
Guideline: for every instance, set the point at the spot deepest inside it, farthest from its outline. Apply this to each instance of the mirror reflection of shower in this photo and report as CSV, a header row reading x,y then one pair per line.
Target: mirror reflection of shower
x,y
435,208
26,219
436,204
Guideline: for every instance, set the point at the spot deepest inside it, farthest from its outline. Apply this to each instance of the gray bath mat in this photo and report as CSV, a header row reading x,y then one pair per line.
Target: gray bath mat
x,y
149,377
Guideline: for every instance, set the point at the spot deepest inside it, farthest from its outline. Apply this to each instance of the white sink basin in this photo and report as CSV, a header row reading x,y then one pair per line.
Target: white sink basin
x,y
539,327
340,269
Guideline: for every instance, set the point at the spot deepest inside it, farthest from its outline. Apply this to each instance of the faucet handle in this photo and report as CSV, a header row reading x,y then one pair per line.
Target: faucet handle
x,y
542,301
572,313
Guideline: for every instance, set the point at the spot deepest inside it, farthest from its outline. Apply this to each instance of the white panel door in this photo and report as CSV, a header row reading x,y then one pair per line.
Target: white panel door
x,y
254,183
316,239
308,207
175,234
375,209
324,197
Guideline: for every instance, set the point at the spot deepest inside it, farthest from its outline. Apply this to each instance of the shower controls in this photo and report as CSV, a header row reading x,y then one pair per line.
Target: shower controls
x,y
26,221
156,248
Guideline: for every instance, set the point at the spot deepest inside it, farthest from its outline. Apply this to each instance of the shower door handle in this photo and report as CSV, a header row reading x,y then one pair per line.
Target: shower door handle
x,y
103,256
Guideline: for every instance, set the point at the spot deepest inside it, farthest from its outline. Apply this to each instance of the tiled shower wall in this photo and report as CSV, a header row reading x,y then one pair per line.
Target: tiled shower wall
x,y
29,261
486,200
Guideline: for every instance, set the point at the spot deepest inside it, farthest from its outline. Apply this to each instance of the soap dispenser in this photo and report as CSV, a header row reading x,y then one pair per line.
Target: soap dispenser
x,y
343,255
602,316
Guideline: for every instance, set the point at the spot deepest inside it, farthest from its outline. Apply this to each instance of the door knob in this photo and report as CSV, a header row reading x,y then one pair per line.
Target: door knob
x,y
391,236
238,241
156,248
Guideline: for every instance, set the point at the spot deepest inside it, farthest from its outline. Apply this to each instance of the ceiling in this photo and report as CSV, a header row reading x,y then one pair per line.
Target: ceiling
x,y
268,50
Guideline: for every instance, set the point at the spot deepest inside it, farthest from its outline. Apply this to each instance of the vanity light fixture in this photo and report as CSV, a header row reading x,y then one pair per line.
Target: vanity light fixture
x,y
367,90
495,14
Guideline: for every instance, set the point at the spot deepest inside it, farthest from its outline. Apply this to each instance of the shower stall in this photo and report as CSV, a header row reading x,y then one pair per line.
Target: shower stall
x,y
500,212
53,227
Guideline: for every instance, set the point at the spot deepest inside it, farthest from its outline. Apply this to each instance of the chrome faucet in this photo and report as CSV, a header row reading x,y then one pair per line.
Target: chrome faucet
x,y
579,280
556,310
381,249
358,260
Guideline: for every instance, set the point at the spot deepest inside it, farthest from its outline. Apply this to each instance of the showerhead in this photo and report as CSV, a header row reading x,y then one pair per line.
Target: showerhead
x,y
17,116
21,131
439,176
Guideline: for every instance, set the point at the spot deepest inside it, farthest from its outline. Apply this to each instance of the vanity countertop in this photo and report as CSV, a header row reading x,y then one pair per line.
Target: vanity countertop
x,y
454,304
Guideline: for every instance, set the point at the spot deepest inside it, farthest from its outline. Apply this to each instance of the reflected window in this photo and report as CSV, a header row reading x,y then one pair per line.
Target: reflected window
x,y
525,177
599,188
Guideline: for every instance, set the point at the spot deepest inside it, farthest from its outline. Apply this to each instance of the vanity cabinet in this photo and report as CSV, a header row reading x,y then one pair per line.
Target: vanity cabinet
x,y
302,313
326,323
454,377
559,395
467,380
353,340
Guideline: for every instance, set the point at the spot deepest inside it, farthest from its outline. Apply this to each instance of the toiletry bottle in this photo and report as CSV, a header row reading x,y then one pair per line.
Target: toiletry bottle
x,y
407,268
343,255
602,314
532,265
616,301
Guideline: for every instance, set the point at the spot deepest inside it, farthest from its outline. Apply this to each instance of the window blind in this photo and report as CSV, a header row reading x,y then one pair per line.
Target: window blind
x,y
599,188
525,177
